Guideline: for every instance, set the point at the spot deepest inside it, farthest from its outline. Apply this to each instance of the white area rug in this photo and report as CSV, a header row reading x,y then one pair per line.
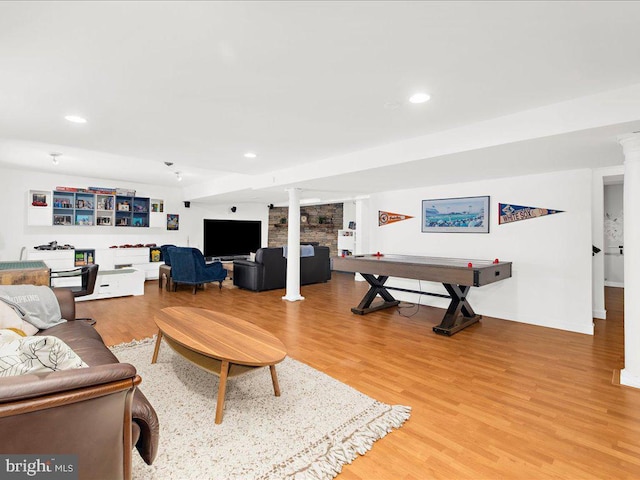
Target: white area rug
x,y
317,424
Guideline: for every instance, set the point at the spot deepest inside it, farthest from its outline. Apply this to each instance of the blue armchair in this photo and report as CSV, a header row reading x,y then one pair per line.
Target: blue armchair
x,y
164,250
188,266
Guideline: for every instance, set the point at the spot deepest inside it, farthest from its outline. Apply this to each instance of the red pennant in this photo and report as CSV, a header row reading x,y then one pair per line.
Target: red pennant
x,y
385,218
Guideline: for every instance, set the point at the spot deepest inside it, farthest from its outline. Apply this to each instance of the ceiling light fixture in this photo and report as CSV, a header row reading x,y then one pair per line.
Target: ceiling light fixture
x,y
54,158
178,176
419,98
75,119
250,155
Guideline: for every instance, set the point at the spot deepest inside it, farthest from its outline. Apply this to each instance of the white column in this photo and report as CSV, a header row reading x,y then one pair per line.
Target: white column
x,y
630,375
362,232
293,246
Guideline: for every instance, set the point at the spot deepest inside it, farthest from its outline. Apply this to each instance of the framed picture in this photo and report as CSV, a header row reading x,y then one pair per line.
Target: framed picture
x,y
456,215
173,221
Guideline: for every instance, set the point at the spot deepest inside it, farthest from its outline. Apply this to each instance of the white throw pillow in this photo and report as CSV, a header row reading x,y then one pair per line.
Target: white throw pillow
x,y
252,256
42,354
10,319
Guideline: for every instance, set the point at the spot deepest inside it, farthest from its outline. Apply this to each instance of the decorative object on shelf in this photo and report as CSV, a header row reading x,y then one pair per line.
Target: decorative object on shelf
x,y
124,192
157,206
456,215
54,246
173,221
84,257
304,218
154,254
385,218
84,220
509,213
39,200
62,220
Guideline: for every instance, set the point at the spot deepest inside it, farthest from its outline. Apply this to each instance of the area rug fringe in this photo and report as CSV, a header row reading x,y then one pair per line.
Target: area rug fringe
x,y
344,451
133,343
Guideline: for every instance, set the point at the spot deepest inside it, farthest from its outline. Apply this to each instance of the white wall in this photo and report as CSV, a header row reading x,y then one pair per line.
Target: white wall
x,y
244,211
15,233
551,255
348,213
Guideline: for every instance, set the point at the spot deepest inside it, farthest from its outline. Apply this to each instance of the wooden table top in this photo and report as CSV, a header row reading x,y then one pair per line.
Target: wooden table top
x,y
220,336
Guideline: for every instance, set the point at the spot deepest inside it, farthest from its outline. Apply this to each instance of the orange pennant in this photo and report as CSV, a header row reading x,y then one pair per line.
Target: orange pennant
x,y
385,218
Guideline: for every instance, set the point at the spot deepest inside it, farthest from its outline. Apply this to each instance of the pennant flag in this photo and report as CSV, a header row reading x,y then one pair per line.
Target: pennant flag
x,y
385,218
508,212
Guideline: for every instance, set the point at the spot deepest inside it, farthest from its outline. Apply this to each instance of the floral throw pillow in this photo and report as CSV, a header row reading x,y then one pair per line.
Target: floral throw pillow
x,y
41,354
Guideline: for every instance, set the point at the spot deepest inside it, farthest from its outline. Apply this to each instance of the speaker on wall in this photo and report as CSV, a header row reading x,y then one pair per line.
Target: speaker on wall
x,y
187,204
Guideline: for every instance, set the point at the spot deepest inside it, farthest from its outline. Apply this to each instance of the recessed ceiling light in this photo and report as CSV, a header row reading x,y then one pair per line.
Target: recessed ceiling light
x,y
250,155
419,98
75,119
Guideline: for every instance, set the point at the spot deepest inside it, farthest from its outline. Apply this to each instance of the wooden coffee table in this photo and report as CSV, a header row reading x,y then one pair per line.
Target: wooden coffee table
x,y
219,343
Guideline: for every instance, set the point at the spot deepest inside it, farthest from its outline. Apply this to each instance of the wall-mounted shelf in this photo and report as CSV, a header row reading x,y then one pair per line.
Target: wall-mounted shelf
x,y
67,208
346,242
132,211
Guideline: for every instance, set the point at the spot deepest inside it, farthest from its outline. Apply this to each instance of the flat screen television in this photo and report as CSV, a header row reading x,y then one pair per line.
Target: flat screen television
x,y
231,238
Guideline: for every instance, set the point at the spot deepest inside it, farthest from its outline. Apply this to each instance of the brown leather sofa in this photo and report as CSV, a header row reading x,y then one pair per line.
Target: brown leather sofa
x,y
96,413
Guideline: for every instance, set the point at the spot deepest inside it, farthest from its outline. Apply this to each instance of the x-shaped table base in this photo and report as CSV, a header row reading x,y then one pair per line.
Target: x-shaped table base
x,y
459,314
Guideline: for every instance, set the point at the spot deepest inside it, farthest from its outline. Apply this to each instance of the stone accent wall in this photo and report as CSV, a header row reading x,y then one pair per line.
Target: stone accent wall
x,y
323,223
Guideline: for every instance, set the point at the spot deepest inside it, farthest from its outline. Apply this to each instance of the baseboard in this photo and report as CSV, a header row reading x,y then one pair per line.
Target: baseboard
x,y
600,314
614,284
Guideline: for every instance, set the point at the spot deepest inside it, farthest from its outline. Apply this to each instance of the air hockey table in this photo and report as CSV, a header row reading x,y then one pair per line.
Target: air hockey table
x,y
457,275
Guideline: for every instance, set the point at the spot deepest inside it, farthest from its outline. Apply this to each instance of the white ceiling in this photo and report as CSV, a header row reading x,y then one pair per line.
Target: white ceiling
x,y
201,83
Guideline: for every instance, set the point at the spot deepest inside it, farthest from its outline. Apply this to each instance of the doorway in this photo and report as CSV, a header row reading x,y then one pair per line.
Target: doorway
x,y
613,234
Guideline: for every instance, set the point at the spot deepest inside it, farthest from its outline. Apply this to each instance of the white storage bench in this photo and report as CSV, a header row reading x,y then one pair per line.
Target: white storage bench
x,y
117,283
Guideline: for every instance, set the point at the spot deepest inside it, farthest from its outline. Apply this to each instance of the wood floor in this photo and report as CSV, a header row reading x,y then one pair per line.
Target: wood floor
x,y
498,400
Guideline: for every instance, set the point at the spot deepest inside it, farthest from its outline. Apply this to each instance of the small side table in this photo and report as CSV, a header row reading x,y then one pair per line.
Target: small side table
x,y
164,277
229,280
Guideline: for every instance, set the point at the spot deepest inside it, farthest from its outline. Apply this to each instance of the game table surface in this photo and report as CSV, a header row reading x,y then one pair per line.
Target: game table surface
x,y
461,271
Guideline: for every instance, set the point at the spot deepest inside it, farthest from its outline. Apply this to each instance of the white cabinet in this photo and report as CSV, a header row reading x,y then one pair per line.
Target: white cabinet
x,y
117,283
110,260
55,259
346,242
138,258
